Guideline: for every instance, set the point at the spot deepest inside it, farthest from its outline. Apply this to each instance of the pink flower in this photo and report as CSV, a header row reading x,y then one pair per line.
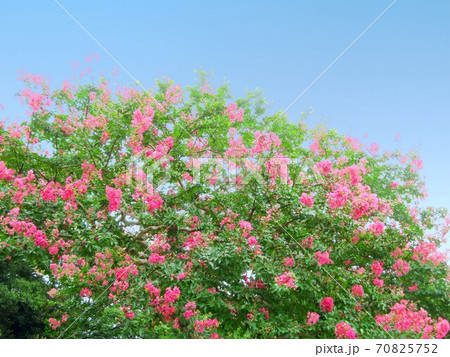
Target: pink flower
x,y
323,167
378,282
200,325
442,327
188,314
265,141
252,240
114,197
187,177
53,250
288,279
156,259
171,295
405,317
85,292
52,292
189,307
181,276
327,304
265,312
288,262
377,268
142,122
307,200
377,228
246,228
54,323
338,197
5,173
312,317
323,258
344,330
127,312
245,225
357,290
233,113
105,137
401,267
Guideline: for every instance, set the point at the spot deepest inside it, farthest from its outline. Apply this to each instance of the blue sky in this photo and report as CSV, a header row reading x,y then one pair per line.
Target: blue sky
x,y
395,79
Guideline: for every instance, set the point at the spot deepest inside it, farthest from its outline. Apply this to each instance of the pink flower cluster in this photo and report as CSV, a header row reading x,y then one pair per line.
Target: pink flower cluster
x,y
246,228
312,317
401,267
323,258
277,167
127,312
344,330
323,167
141,122
338,197
189,310
327,304
427,251
377,268
174,94
155,258
265,141
357,290
252,240
287,278
201,325
114,197
377,228
5,173
405,317
236,149
54,323
378,282
195,239
307,200
164,305
154,293
233,113
85,292
35,99
26,229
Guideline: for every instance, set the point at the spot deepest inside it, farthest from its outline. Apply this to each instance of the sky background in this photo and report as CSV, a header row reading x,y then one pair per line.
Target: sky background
x,y
395,79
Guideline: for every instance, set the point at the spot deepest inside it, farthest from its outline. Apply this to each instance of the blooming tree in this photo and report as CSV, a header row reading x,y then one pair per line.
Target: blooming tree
x,y
185,213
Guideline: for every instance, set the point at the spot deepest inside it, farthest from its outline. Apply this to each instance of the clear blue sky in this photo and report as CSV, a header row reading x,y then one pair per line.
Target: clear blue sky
x,y
396,79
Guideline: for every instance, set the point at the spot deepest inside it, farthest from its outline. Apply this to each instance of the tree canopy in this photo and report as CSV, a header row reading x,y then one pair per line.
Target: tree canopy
x,y
185,213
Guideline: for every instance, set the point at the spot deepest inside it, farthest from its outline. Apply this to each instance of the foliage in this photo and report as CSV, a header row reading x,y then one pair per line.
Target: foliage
x,y
24,301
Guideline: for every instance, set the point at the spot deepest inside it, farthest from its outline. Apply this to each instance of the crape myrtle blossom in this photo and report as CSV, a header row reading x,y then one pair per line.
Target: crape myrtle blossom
x,y
288,279
192,214
327,304
405,317
344,330
312,317
323,258
307,200
357,290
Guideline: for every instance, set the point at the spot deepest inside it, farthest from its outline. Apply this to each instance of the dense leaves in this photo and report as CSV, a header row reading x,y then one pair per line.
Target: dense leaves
x,y
24,300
